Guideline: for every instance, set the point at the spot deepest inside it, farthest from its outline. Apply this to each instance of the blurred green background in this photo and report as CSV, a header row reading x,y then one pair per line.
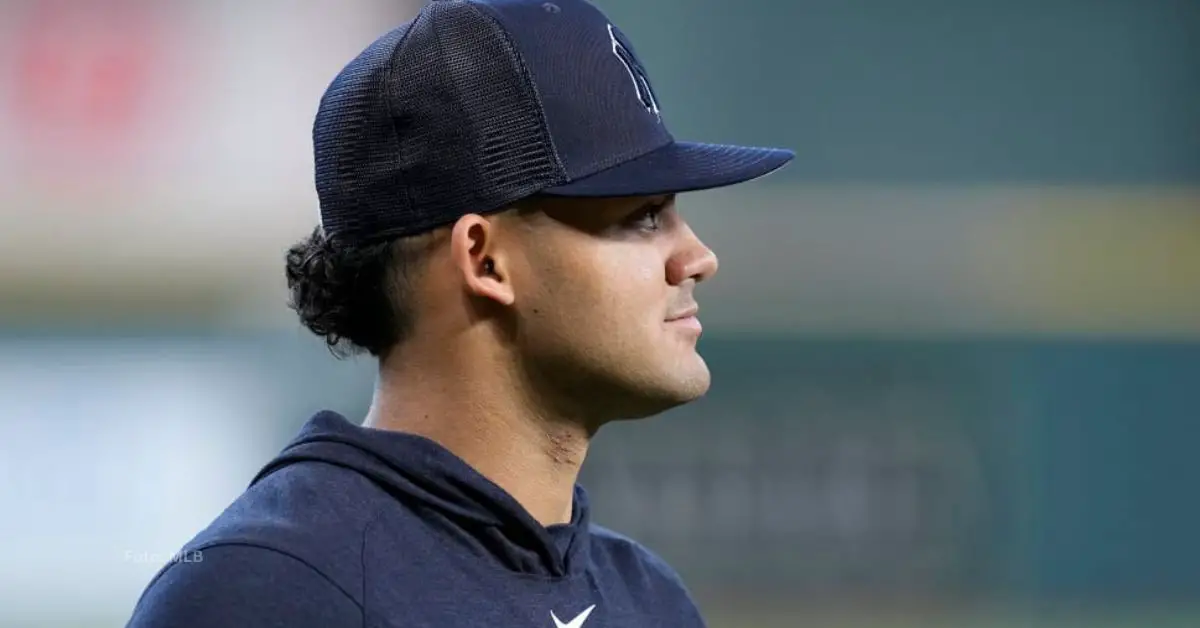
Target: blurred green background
x,y
955,345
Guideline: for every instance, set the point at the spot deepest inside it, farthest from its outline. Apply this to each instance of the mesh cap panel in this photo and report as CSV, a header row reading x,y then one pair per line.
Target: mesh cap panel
x,y
435,120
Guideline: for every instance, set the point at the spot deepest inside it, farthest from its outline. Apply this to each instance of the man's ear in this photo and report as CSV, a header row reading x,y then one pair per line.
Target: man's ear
x,y
479,260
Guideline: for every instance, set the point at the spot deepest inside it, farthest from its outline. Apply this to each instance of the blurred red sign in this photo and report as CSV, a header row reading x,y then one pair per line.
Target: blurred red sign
x,y
84,78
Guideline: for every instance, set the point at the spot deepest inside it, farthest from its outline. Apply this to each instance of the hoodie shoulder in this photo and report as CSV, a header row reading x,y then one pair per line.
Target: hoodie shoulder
x,y
317,513
243,586
646,573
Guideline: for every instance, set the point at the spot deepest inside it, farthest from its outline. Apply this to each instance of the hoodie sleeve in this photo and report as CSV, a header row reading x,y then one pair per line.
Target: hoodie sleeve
x,y
244,586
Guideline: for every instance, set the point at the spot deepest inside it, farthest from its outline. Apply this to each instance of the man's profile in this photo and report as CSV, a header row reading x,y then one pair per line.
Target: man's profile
x,y
499,229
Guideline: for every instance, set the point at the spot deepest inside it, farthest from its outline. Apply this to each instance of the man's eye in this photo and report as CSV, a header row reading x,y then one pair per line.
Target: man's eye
x,y
648,219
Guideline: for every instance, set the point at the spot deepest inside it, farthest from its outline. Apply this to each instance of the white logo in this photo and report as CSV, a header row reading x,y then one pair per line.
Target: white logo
x,y
574,623
641,83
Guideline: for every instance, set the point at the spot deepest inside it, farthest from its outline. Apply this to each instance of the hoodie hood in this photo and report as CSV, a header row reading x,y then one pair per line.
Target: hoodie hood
x,y
419,472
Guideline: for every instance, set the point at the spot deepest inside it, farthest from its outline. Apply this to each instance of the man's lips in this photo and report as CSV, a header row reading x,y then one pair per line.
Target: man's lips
x,y
687,320
688,313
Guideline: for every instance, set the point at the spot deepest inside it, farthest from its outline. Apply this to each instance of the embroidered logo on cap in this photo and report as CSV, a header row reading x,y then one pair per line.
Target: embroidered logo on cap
x,y
637,74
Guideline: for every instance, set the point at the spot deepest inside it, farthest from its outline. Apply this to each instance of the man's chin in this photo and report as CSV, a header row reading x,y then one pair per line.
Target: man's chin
x,y
672,393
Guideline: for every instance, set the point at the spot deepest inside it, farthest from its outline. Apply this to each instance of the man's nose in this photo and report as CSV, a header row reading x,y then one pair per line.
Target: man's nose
x,y
696,262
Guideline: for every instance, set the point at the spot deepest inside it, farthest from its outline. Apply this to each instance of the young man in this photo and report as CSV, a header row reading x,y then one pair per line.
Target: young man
x,y
499,229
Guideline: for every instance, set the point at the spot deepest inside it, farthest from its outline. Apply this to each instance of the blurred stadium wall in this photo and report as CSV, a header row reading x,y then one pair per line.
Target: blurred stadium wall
x,y
956,344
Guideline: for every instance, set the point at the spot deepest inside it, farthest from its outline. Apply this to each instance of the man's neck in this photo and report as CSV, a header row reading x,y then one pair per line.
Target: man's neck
x,y
534,457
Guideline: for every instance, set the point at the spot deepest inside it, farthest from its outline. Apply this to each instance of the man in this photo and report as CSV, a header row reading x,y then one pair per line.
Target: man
x,y
499,229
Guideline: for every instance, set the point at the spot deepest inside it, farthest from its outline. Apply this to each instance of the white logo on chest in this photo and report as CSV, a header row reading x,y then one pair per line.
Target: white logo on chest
x,y
574,623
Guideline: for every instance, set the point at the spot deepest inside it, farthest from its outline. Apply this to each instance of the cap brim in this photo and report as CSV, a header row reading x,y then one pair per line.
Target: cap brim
x,y
679,167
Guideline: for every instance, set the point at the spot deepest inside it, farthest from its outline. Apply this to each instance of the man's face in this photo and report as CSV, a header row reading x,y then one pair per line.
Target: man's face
x,y
605,304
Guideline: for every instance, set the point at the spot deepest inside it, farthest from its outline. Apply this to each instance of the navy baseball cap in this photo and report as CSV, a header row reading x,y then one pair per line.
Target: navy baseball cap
x,y
476,104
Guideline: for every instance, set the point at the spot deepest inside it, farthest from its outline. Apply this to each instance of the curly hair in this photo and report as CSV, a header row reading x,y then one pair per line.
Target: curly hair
x,y
353,295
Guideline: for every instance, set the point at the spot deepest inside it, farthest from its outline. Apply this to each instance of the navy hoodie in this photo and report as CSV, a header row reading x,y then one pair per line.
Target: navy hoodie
x,y
352,526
